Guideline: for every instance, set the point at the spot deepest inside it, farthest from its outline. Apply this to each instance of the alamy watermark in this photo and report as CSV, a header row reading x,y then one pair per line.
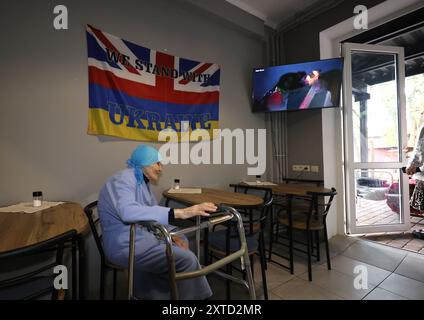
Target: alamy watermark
x,y
360,22
178,151
60,21
60,282
360,282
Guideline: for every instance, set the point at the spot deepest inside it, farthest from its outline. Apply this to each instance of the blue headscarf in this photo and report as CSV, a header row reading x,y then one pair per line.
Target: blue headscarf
x,y
141,157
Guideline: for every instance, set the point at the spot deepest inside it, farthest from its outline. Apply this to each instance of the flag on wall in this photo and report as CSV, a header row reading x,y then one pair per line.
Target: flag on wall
x,y
135,92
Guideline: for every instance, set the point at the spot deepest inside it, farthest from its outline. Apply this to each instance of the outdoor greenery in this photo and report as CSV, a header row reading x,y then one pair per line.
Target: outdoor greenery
x,y
414,92
381,112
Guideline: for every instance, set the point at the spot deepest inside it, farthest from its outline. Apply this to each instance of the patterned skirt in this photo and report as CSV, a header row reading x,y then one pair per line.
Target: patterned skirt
x,y
417,198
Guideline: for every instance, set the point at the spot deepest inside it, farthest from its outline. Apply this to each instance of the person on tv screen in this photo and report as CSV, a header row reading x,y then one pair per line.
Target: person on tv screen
x,y
299,90
276,98
312,93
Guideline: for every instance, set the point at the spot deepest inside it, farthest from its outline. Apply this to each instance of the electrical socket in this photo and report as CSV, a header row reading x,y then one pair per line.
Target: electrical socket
x,y
301,167
314,168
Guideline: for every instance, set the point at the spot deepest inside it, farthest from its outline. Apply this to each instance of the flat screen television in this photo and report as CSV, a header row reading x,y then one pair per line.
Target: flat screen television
x,y
300,86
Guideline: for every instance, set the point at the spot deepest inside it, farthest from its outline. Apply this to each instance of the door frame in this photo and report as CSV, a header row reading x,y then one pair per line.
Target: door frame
x,y
350,165
330,40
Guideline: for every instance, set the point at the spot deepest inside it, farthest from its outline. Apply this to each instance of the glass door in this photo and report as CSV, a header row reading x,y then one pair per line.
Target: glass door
x,y
377,192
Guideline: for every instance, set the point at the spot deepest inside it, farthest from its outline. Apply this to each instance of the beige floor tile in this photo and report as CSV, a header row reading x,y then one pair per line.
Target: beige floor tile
x,y
403,286
347,266
273,296
338,283
299,289
375,254
396,244
275,275
412,267
381,294
300,264
339,243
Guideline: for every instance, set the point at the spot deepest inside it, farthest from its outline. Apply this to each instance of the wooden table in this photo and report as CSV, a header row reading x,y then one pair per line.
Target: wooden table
x,y
236,200
232,199
20,229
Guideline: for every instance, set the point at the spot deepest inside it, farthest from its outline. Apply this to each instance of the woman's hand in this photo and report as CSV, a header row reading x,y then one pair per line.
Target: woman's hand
x,y
411,170
179,242
196,210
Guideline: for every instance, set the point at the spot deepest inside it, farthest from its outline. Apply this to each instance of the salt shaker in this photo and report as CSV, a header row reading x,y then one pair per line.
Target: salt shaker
x,y
177,184
37,199
258,179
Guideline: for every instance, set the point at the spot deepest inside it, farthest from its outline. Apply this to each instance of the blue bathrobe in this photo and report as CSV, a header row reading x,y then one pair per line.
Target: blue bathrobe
x,y
123,201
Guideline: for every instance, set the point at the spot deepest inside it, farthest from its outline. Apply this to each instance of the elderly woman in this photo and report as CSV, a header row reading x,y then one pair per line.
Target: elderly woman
x,y
126,197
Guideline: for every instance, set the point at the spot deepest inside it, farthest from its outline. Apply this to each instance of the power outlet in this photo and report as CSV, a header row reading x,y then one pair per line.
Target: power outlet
x,y
301,167
314,168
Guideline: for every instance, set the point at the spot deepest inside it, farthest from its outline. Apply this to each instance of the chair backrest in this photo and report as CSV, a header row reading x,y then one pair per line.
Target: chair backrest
x,y
94,221
257,216
321,202
264,211
13,287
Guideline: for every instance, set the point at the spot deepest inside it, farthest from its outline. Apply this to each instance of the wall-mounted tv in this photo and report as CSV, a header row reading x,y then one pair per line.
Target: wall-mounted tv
x,y
300,86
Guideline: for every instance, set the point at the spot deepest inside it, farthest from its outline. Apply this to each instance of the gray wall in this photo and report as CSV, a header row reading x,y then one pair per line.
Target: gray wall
x,y
304,135
44,95
301,44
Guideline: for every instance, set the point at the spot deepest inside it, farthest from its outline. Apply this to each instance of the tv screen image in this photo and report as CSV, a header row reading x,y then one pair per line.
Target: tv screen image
x,y
300,86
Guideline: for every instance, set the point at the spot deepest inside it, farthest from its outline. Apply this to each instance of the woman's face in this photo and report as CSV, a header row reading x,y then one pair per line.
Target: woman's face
x,y
153,172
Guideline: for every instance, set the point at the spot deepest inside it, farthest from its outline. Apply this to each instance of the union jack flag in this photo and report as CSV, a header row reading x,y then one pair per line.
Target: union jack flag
x,y
134,92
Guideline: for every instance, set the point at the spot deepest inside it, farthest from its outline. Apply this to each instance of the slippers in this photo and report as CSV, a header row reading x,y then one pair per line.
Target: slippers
x,y
418,234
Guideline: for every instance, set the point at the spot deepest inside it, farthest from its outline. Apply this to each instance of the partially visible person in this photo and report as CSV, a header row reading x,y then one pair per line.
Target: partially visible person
x,y
125,198
417,160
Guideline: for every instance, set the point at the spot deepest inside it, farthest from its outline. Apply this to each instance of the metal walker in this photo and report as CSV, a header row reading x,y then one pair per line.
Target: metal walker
x,y
224,214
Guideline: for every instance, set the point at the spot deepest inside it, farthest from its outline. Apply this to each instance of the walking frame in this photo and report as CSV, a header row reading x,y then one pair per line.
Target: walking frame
x,y
225,213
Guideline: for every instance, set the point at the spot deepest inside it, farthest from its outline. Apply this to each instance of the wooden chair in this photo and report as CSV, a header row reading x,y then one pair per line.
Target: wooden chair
x,y
310,221
224,242
105,265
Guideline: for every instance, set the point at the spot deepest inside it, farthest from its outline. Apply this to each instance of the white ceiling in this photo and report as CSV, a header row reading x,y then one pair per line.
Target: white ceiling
x,y
273,12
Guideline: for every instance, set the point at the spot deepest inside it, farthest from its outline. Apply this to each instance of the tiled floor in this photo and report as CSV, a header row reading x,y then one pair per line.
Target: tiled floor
x,y
392,274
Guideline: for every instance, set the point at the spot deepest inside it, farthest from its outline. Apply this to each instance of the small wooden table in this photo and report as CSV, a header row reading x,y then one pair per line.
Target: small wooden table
x,y
232,199
20,229
236,200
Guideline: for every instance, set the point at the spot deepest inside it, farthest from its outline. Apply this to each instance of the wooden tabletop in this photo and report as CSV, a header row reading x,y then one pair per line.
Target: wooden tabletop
x,y
19,229
233,199
294,189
